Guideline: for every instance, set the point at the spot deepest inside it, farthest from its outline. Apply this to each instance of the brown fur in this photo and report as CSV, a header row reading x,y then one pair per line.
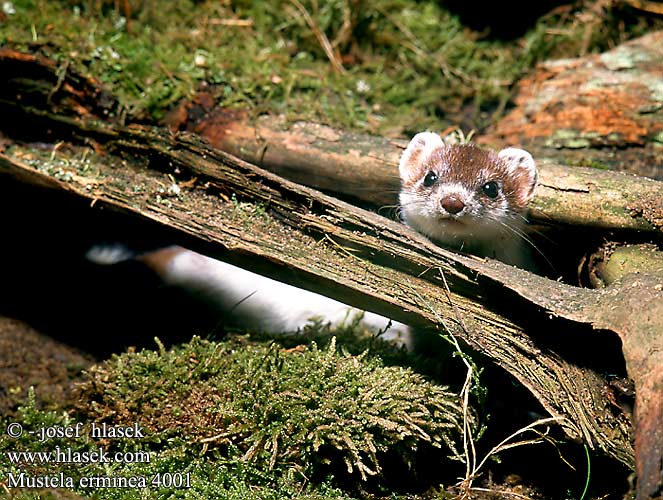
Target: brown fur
x,y
478,166
160,260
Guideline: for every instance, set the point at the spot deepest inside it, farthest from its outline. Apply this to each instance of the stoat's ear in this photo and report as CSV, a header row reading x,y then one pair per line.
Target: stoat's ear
x,y
523,170
419,149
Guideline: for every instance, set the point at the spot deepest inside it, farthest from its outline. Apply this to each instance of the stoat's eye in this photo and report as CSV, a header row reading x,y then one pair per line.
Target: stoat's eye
x,y
430,179
491,189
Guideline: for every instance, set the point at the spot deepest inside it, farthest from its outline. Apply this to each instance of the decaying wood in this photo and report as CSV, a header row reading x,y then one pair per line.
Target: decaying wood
x,y
524,323
612,262
365,168
604,109
45,83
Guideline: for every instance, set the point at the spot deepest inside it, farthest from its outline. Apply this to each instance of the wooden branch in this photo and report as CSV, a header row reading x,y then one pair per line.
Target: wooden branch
x,y
366,169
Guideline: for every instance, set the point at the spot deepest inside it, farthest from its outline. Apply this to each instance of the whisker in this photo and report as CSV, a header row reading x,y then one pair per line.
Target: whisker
x,y
531,229
414,203
388,207
542,235
522,235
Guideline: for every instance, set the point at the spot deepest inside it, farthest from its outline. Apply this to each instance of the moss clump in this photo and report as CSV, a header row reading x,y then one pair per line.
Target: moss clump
x,y
307,413
408,65
240,419
202,478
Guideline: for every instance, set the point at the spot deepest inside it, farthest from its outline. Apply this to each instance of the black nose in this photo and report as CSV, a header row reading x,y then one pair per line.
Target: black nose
x,y
452,204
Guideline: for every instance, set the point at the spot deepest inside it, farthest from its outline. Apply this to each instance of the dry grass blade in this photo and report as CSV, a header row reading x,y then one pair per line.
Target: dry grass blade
x,y
322,38
466,484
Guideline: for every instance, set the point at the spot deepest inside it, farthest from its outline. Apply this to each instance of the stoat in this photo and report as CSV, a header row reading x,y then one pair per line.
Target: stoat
x,y
457,195
255,302
250,301
468,198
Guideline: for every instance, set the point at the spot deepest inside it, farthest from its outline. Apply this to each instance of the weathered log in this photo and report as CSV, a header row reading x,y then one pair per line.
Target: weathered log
x,y
604,109
365,168
379,265
612,262
347,253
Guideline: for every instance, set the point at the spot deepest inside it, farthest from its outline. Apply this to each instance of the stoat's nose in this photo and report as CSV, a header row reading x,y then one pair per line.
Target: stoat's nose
x,y
452,204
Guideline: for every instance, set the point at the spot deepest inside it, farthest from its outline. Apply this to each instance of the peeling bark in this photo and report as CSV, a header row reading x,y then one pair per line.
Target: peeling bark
x,y
604,109
365,168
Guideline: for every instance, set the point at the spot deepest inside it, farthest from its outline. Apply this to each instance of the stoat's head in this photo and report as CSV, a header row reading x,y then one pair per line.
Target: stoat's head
x,y
458,194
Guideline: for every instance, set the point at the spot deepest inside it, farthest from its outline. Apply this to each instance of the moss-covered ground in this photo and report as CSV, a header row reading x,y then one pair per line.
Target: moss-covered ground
x,y
391,66
244,419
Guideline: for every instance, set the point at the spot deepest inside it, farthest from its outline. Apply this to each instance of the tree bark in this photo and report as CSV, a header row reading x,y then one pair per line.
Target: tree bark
x,y
603,109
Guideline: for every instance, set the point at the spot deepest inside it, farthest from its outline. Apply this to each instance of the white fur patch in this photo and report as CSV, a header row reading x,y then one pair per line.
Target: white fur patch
x,y
107,255
421,146
264,304
519,159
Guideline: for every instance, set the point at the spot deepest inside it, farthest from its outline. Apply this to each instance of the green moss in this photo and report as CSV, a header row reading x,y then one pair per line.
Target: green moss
x,y
658,139
588,162
568,138
406,63
241,419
